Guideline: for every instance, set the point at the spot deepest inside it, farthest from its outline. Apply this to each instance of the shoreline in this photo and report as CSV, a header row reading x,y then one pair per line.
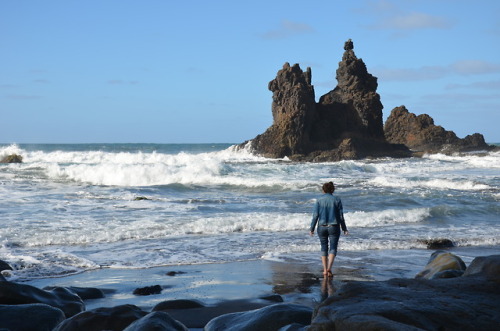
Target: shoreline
x,y
196,294
297,277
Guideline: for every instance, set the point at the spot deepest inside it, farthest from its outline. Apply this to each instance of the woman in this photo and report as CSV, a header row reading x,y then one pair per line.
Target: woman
x,y
329,216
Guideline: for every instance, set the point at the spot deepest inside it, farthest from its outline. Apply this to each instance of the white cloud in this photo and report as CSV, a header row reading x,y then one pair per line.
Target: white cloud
x,y
463,68
413,21
489,85
288,29
475,67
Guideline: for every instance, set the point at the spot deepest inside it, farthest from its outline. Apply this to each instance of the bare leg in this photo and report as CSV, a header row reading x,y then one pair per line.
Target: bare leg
x,y
324,260
331,258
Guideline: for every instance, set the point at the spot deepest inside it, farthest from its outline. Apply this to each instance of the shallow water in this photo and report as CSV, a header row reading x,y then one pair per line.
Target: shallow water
x,y
71,208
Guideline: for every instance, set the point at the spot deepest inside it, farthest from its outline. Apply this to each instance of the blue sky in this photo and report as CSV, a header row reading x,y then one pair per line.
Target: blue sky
x,y
197,71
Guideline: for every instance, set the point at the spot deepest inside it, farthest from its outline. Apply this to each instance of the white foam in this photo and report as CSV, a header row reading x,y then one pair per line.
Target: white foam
x,y
387,217
440,184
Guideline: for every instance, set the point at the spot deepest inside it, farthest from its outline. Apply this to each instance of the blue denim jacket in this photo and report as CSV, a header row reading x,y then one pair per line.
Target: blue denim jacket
x,y
328,211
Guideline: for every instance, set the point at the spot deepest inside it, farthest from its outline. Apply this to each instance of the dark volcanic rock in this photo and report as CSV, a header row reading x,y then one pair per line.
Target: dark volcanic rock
x,y
469,302
177,304
114,318
17,294
30,317
270,318
346,123
438,243
84,293
294,111
4,266
156,321
442,265
148,290
12,158
419,133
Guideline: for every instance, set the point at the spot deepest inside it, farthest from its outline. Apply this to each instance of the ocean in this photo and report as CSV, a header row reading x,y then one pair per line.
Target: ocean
x,y
75,207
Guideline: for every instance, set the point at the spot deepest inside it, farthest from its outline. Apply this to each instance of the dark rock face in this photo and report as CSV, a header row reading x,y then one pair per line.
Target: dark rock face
x,y
35,317
115,318
4,266
156,321
12,158
419,133
469,302
148,290
269,318
294,111
442,265
346,123
84,293
17,294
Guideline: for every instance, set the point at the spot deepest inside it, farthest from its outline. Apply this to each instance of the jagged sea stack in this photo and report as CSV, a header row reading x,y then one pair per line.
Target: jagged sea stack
x,y
345,124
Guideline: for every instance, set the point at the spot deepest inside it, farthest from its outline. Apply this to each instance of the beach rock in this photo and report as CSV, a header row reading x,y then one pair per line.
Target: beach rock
x,y
438,243
174,273
273,298
148,290
30,317
419,133
462,303
177,304
269,318
442,265
485,266
84,293
12,158
346,123
294,327
17,294
198,317
113,318
4,266
156,321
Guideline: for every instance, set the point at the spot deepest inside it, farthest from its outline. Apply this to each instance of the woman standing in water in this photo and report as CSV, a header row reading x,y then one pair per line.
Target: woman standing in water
x,y
329,216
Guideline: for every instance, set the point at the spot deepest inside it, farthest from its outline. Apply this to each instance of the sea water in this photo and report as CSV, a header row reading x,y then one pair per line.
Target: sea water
x,y
71,208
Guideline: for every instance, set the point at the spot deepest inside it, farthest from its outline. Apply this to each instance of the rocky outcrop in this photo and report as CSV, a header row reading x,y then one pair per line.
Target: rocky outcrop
x,y
269,318
420,134
442,265
114,318
40,317
12,158
469,302
156,321
346,123
59,297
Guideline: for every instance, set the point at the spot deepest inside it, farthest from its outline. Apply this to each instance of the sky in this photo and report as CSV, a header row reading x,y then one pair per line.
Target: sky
x,y
160,71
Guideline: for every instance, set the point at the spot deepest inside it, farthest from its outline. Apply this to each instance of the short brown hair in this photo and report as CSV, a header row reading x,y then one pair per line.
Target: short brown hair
x,y
328,187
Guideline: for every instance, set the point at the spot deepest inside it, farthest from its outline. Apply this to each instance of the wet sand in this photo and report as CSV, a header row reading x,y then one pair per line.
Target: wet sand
x,y
241,286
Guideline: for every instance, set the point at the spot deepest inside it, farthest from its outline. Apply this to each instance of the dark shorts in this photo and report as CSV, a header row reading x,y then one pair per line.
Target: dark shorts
x,y
329,235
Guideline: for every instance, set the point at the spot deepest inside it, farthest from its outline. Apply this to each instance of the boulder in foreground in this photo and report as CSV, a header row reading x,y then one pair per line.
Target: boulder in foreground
x,y
469,302
37,316
270,318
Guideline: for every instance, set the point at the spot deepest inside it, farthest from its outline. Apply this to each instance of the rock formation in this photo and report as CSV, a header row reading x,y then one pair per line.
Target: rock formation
x,y
469,302
420,134
12,158
346,123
